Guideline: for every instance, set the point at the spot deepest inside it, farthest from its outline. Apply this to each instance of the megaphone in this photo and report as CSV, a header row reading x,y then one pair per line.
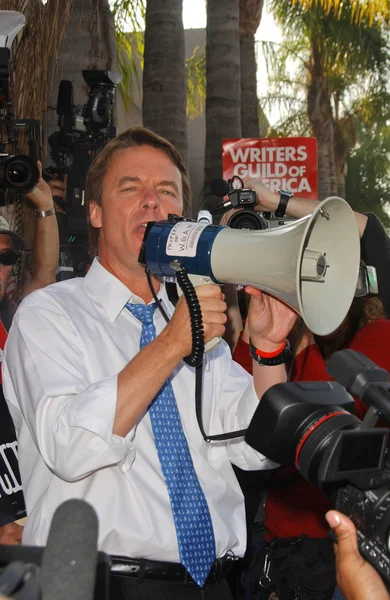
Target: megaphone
x,y
311,264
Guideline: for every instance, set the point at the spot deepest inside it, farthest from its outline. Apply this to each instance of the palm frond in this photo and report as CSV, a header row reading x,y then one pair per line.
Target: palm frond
x,y
372,10
129,18
36,52
196,83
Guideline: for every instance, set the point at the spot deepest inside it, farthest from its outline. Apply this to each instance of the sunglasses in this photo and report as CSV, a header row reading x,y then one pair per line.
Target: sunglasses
x,y
8,257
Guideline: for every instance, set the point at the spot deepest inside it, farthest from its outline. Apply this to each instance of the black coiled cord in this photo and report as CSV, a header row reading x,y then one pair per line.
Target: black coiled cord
x,y
195,359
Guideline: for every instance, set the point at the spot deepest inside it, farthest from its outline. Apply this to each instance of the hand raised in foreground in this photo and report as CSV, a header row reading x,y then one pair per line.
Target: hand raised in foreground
x,y
356,578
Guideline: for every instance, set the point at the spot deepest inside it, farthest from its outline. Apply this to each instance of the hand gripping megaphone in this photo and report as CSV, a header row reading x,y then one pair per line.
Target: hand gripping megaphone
x,y
311,264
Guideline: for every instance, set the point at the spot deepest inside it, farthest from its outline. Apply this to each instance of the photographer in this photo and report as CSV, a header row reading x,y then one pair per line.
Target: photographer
x,y
44,267
294,507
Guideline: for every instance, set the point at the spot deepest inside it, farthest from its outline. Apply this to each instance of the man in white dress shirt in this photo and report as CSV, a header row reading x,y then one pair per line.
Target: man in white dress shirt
x,y
79,388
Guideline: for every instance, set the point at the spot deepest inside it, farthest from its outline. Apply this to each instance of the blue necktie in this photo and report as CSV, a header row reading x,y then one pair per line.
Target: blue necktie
x,y
194,529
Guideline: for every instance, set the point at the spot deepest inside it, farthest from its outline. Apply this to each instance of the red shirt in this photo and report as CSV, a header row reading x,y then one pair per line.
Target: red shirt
x,y
299,507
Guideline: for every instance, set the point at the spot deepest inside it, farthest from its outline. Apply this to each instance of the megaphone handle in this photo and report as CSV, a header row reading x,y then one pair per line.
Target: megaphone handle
x,y
195,359
203,280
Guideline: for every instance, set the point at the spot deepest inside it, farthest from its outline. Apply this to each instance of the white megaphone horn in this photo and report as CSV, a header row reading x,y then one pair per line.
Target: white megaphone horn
x,y
311,264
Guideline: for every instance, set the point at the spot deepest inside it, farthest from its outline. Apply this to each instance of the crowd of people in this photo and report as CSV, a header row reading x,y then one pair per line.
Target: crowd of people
x,y
102,401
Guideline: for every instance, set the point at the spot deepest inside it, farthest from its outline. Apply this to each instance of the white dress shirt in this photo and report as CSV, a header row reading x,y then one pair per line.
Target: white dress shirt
x,y
66,346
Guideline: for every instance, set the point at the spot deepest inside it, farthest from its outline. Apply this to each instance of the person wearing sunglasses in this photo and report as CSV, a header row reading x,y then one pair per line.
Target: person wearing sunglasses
x,y
45,254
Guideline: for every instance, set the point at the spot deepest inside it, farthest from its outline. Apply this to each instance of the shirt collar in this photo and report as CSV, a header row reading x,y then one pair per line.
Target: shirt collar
x,y
113,295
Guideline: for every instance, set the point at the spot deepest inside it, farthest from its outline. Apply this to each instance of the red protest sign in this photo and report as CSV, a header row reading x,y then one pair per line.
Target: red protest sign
x,y
281,163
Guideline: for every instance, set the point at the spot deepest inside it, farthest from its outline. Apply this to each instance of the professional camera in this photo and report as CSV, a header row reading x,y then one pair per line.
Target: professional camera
x,y
83,132
17,171
89,125
246,200
311,425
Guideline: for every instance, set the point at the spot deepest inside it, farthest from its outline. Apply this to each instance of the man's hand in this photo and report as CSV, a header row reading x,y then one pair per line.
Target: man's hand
x,y
357,579
40,196
269,320
213,306
11,534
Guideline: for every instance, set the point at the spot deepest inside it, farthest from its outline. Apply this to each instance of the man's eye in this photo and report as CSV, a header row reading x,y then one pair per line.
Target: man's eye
x,y
169,192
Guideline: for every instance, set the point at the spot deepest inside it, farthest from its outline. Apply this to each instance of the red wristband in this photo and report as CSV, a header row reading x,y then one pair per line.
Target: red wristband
x,y
264,354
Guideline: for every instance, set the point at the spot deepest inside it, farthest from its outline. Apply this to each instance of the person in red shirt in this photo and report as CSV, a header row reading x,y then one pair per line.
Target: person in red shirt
x,y
296,507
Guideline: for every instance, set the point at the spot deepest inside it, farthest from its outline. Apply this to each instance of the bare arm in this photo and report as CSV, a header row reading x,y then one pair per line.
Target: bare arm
x,y
296,207
136,386
269,323
46,241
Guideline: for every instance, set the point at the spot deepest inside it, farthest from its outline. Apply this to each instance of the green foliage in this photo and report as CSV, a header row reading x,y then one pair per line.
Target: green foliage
x,y
368,169
129,26
372,10
196,83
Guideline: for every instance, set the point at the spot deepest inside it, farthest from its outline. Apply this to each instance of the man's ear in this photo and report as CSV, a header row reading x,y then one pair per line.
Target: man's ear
x,y
95,214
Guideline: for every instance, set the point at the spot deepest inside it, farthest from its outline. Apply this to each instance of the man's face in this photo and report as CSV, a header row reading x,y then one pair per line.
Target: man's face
x,y
142,184
5,271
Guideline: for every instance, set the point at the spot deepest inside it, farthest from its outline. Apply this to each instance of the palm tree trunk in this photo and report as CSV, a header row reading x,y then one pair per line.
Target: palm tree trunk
x,y
223,100
250,17
320,115
332,158
164,77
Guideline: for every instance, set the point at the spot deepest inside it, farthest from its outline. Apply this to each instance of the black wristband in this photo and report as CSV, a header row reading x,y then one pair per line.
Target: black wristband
x,y
284,198
285,356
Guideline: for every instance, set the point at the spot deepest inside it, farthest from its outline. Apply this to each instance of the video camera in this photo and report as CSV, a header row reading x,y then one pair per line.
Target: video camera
x,y
90,125
245,200
18,172
311,425
83,132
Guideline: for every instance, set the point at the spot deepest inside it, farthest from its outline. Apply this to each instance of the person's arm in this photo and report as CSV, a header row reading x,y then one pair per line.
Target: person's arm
x,y
357,579
268,201
45,257
81,425
269,323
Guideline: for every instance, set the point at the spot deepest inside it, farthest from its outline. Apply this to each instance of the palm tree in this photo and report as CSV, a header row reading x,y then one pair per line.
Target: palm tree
x,y
164,77
223,100
340,61
250,17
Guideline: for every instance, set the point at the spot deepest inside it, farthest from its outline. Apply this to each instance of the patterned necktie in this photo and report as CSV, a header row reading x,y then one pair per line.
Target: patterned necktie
x,y
194,529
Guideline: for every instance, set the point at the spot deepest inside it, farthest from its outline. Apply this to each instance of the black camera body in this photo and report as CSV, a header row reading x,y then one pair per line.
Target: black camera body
x,y
97,112
83,132
311,425
18,172
244,199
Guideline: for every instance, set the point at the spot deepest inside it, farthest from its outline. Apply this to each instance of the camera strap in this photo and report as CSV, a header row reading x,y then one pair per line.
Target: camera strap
x,y
198,408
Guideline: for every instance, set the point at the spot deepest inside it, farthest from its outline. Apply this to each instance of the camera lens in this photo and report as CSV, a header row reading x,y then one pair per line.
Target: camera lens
x,y
17,173
247,219
318,435
20,173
